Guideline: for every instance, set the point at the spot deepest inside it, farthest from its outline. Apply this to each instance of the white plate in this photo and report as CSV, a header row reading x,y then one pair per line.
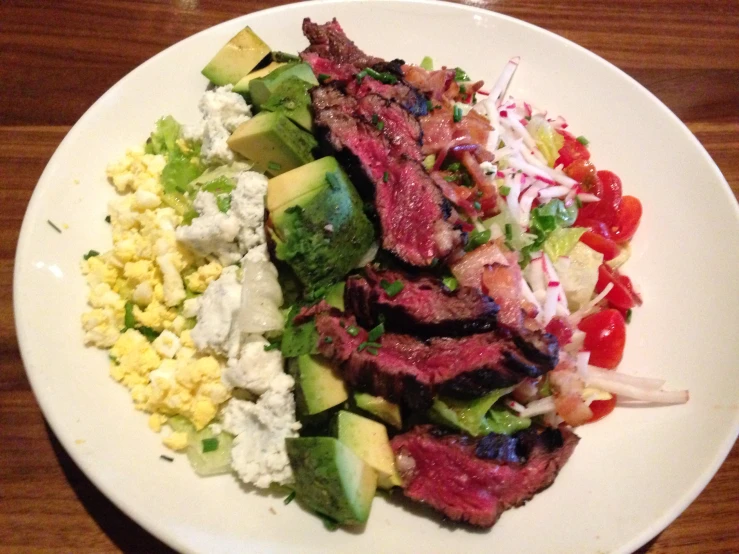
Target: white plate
x,y
632,473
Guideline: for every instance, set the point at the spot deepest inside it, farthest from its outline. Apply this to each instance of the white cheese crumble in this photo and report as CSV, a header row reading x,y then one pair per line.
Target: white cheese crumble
x,y
223,111
259,455
217,310
256,368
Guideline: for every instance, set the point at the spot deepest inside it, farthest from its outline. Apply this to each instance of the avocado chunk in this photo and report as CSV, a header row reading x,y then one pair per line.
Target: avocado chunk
x,y
242,87
331,479
368,440
292,99
273,143
261,89
378,406
318,223
318,386
237,58
335,296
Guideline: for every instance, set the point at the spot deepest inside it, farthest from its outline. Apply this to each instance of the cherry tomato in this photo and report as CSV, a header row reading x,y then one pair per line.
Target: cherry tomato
x,y
608,188
605,246
582,171
571,151
601,408
629,216
560,329
597,227
605,337
622,294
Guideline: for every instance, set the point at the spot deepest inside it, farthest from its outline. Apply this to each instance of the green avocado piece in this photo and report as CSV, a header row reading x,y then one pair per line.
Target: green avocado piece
x,y
242,87
368,440
237,58
261,89
318,223
318,387
292,99
273,143
378,406
331,479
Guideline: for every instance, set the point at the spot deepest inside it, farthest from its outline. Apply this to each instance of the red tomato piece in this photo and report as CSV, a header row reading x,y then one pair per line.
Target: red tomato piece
x,y
605,246
571,151
582,171
561,330
597,227
622,294
608,188
629,216
605,337
601,408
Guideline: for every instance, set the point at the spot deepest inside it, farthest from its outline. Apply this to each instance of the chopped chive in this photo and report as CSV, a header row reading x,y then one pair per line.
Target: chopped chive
x,y
385,177
148,332
451,283
462,89
629,312
582,140
167,458
209,445
384,77
457,114
460,74
372,351
223,202
275,345
274,166
429,105
504,190
578,202
289,498
454,166
376,332
375,119
57,229
129,321
323,77
477,238
392,289
353,330
91,254
380,125
477,205
427,63
508,231
328,340
509,246
368,345
107,219
450,178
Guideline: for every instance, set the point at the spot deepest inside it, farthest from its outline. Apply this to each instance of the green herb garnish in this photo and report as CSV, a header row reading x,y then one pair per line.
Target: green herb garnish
x,y
209,445
385,177
477,238
273,345
457,115
274,166
376,332
91,254
427,63
289,498
392,289
129,321
107,219
460,74
353,330
504,190
582,140
508,232
451,283
629,313
384,77
57,229
322,77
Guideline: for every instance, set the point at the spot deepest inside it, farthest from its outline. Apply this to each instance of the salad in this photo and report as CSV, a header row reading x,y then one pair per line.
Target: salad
x,y
354,274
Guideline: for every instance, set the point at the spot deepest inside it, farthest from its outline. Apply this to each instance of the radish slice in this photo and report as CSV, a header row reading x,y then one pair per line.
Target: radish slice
x,y
538,407
646,383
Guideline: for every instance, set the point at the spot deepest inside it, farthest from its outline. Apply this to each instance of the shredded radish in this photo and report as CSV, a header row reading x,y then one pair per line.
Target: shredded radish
x,y
540,172
585,310
554,192
550,304
586,197
527,200
538,407
638,392
514,183
647,383
582,363
501,85
528,294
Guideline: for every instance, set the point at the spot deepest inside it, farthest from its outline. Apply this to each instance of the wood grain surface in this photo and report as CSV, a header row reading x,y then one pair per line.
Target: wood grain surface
x,y
58,56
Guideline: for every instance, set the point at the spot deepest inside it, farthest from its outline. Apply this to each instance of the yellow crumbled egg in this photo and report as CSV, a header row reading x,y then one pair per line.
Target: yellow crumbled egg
x,y
98,270
176,441
156,421
134,358
137,170
199,280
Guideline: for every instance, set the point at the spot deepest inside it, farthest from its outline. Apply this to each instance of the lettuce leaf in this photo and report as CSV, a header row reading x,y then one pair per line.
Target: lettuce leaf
x,y
505,422
467,415
548,141
561,241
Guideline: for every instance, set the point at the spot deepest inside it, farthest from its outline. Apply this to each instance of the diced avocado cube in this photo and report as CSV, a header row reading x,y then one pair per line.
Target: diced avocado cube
x,y
378,406
237,58
318,385
291,98
261,89
331,479
242,87
368,440
318,223
335,296
273,143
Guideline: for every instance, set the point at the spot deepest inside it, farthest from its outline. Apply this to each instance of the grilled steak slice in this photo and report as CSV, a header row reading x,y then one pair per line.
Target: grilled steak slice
x,y
471,481
409,205
337,56
411,371
424,307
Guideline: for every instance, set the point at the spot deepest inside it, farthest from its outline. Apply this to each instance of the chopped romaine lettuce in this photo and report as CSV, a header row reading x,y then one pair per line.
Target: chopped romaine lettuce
x,y
547,139
545,219
562,241
504,221
467,415
505,422
164,138
578,274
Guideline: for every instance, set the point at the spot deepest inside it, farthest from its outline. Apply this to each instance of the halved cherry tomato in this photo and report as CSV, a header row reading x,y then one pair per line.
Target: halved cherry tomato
x,y
622,294
571,151
582,171
605,337
597,227
601,408
608,188
629,216
560,329
605,246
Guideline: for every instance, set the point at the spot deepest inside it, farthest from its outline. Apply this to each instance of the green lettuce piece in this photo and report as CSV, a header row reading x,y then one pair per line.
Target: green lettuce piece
x,y
466,415
547,139
578,274
298,339
505,422
545,219
519,239
427,63
561,241
164,138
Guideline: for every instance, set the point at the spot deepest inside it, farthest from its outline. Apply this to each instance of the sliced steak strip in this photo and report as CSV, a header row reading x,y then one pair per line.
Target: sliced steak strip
x,y
332,48
411,371
409,205
424,307
459,477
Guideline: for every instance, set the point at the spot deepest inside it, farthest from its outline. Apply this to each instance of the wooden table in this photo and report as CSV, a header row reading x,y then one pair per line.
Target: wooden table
x,y
58,56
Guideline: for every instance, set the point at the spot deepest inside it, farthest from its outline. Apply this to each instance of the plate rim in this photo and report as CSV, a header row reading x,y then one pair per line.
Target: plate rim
x,y
129,509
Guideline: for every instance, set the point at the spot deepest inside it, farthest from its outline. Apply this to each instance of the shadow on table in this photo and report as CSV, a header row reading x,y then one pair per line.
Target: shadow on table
x,y
122,530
